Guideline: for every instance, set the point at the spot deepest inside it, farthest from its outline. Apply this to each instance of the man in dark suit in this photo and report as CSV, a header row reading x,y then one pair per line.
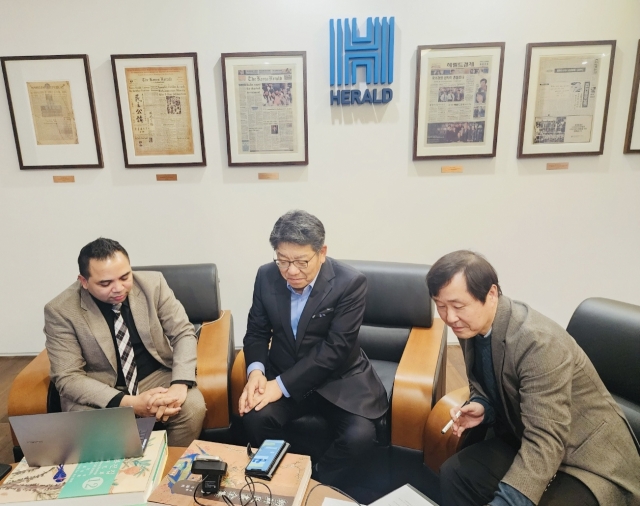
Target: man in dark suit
x,y
560,438
310,308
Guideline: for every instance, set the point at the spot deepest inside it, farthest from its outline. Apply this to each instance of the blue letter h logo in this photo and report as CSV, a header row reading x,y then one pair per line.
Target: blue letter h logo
x,y
374,51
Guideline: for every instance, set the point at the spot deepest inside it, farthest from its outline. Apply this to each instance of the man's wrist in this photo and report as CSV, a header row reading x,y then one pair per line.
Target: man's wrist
x,y
256,370
126,401
255,365
489,412
117,400
283,389
187,383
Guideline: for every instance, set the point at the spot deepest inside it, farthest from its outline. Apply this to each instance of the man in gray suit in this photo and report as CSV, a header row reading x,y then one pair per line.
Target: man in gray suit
x,y
119,339
560,438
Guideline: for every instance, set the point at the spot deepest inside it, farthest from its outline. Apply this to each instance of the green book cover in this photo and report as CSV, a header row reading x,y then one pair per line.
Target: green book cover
x,y
91,478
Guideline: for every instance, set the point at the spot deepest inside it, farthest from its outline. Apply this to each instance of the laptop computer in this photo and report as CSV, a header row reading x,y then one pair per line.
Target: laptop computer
x,y
81,436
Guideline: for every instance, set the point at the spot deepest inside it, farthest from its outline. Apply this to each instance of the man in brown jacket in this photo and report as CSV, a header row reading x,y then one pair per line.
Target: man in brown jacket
x,y
560,438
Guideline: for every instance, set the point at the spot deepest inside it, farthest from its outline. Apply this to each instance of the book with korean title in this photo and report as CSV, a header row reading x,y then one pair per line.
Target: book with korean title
x,y
288,485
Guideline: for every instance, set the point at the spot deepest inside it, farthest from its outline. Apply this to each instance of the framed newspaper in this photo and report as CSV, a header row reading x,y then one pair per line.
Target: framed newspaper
x,y
158,99
457,100
565,98
52,111
632,138
265,108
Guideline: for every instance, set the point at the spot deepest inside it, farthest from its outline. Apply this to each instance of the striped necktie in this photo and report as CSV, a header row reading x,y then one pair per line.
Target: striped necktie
x,y
125,349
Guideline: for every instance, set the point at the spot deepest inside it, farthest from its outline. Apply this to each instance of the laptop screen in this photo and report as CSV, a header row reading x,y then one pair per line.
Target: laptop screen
x,y
80,436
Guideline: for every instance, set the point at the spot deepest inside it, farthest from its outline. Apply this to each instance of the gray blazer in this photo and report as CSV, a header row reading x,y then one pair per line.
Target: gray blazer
x,y
80,346
559,408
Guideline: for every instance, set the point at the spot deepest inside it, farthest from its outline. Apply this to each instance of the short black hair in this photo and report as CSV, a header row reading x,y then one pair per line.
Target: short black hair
x,y
298,227
100,249
478,273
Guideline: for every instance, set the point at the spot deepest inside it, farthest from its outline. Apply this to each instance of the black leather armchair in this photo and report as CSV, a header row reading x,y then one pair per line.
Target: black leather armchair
x,y
407,349
196,287
609,333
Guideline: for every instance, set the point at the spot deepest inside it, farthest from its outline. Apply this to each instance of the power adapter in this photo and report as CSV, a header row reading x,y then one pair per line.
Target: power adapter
x,y
212,470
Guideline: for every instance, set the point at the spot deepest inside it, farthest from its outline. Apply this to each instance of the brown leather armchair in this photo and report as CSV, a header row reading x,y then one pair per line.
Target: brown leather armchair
x,y
439,447
196,287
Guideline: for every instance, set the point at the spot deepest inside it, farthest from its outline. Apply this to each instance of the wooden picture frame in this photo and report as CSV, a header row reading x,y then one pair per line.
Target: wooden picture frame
x,y
457,104
158,97
565,99
53,112
632,137
265,108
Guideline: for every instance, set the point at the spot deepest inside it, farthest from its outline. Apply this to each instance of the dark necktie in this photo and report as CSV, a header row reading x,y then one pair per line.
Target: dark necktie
x,y
125,350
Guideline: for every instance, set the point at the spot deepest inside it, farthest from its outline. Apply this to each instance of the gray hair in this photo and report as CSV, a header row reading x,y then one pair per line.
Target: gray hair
x,y
298,227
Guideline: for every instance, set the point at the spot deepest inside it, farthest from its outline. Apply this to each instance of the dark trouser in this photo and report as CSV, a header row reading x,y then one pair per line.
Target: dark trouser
x,y
353,435
471,477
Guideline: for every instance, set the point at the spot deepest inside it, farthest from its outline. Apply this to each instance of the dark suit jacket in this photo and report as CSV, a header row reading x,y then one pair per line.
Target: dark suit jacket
x,y
558,407
326,356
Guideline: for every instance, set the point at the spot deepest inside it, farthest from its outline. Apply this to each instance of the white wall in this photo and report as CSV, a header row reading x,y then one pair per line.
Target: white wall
x,y
554,237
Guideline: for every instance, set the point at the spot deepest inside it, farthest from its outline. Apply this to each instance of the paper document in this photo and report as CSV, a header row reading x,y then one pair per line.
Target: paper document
x,y
330,501
404,496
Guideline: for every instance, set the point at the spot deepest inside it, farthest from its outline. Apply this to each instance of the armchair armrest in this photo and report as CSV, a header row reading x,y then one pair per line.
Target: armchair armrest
x,y
28,394
439,447
213,370
418,384
238,380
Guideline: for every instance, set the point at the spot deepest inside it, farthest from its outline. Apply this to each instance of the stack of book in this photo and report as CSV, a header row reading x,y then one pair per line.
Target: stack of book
x,y
119,482
287,487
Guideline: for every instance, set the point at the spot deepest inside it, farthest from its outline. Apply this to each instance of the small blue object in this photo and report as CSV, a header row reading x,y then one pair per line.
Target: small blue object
x,y
60,475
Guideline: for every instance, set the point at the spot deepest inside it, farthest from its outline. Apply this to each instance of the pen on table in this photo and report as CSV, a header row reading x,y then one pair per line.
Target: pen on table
x,y
450,423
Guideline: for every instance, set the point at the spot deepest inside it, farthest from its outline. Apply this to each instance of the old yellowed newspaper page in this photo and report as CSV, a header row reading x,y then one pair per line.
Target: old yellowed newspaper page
x,y
160,110
52,112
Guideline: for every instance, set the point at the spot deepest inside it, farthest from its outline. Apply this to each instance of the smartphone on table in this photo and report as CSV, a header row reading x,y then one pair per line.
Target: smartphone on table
x,y
265,462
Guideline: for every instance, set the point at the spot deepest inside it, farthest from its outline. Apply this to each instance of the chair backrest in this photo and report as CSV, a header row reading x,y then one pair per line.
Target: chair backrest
x,y
397,300
195,286
609,333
